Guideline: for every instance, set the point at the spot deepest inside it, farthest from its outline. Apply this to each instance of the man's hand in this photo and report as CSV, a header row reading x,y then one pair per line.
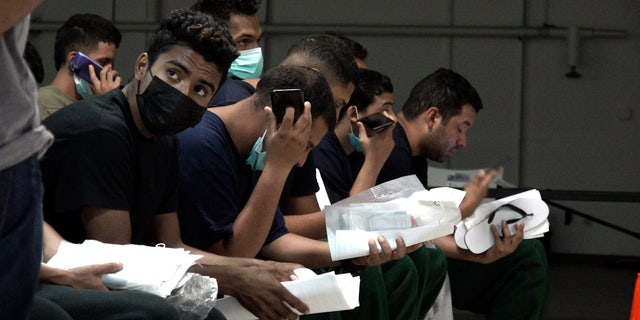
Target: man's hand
x,y
282,271
86,277
379,146
476,191
505,245
108,80
259,290
376,258
287,145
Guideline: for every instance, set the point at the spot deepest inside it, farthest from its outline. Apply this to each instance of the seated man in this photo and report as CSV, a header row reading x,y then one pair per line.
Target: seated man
x,y
111,174
223,209
241,17
331,57
79,293
373,94
509,281
97,38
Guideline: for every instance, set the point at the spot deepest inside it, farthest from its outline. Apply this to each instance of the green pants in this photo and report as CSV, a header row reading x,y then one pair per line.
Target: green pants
x,y
514,287
400,289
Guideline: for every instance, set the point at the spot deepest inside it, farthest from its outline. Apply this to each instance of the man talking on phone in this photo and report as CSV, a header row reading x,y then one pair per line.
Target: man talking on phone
x,y
98,39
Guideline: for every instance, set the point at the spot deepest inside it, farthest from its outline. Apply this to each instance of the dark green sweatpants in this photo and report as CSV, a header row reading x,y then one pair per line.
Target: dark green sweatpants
x,y
514,287
400,289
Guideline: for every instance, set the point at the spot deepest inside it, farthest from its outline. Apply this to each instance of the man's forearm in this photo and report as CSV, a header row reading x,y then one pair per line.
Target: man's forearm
x,y
310,225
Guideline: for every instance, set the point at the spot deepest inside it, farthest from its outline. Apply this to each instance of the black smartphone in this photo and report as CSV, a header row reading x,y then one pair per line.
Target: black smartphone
x,y
376,121
80,66
281,99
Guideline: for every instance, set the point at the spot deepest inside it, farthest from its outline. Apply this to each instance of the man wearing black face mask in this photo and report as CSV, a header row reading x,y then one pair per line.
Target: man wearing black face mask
x,y
111,174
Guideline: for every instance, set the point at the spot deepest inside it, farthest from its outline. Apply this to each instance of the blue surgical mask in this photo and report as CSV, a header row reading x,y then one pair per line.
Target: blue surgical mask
x,y
257,158
248,65
355,141
82,87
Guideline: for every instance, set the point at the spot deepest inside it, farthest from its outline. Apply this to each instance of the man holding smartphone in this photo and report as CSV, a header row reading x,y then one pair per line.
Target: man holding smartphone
x,y
97,39
226,207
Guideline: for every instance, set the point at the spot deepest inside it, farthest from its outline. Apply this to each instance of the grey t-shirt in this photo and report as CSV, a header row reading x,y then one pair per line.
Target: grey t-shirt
x,y
21,134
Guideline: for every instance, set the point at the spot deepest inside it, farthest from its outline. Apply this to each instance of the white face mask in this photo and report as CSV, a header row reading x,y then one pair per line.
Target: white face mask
x,y
248,65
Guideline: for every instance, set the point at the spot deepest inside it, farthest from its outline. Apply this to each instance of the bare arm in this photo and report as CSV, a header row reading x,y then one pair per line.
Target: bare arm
x,y
315,253
107,225
476,191
12,11
239,277
51,240
304,217
85,277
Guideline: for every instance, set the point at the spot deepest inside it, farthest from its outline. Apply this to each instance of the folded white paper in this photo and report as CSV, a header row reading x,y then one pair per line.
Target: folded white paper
x,y
397,208
321,293
155,270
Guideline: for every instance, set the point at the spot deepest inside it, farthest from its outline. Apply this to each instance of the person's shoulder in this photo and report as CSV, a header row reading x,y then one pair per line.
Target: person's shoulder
x,y
51,99
232,91
95,114
210,131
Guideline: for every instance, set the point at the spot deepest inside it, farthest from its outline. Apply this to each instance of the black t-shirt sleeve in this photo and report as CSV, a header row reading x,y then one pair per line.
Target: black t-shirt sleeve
x,y
93,169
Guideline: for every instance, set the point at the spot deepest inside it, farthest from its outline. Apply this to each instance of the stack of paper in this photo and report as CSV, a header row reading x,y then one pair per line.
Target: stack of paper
x,y
155,270
474,233
321,293
397,208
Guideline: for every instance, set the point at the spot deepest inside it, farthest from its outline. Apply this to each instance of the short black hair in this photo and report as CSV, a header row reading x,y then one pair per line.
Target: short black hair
x,y
83,32
356,48
328,54
222,9
314,86
197,31
444,89
370,84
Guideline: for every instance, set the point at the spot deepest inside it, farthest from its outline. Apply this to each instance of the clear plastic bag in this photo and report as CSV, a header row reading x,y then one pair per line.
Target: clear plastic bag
x,y
195,296
397,208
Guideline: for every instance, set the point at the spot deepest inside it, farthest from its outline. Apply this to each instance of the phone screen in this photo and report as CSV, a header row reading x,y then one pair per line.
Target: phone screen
x,y
376,121
281,99
80,66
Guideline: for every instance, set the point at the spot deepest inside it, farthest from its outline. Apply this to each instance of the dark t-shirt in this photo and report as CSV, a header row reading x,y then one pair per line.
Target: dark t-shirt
x,y
215,185
335,168
232,91
99,158
401,162
301,180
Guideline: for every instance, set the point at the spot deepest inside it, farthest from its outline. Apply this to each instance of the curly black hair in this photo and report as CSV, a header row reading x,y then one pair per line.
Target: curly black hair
x,y
222,9
198,31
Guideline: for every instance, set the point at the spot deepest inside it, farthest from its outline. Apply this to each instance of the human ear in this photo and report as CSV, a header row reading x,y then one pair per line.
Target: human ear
x,y
141,66
431,116
352,114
